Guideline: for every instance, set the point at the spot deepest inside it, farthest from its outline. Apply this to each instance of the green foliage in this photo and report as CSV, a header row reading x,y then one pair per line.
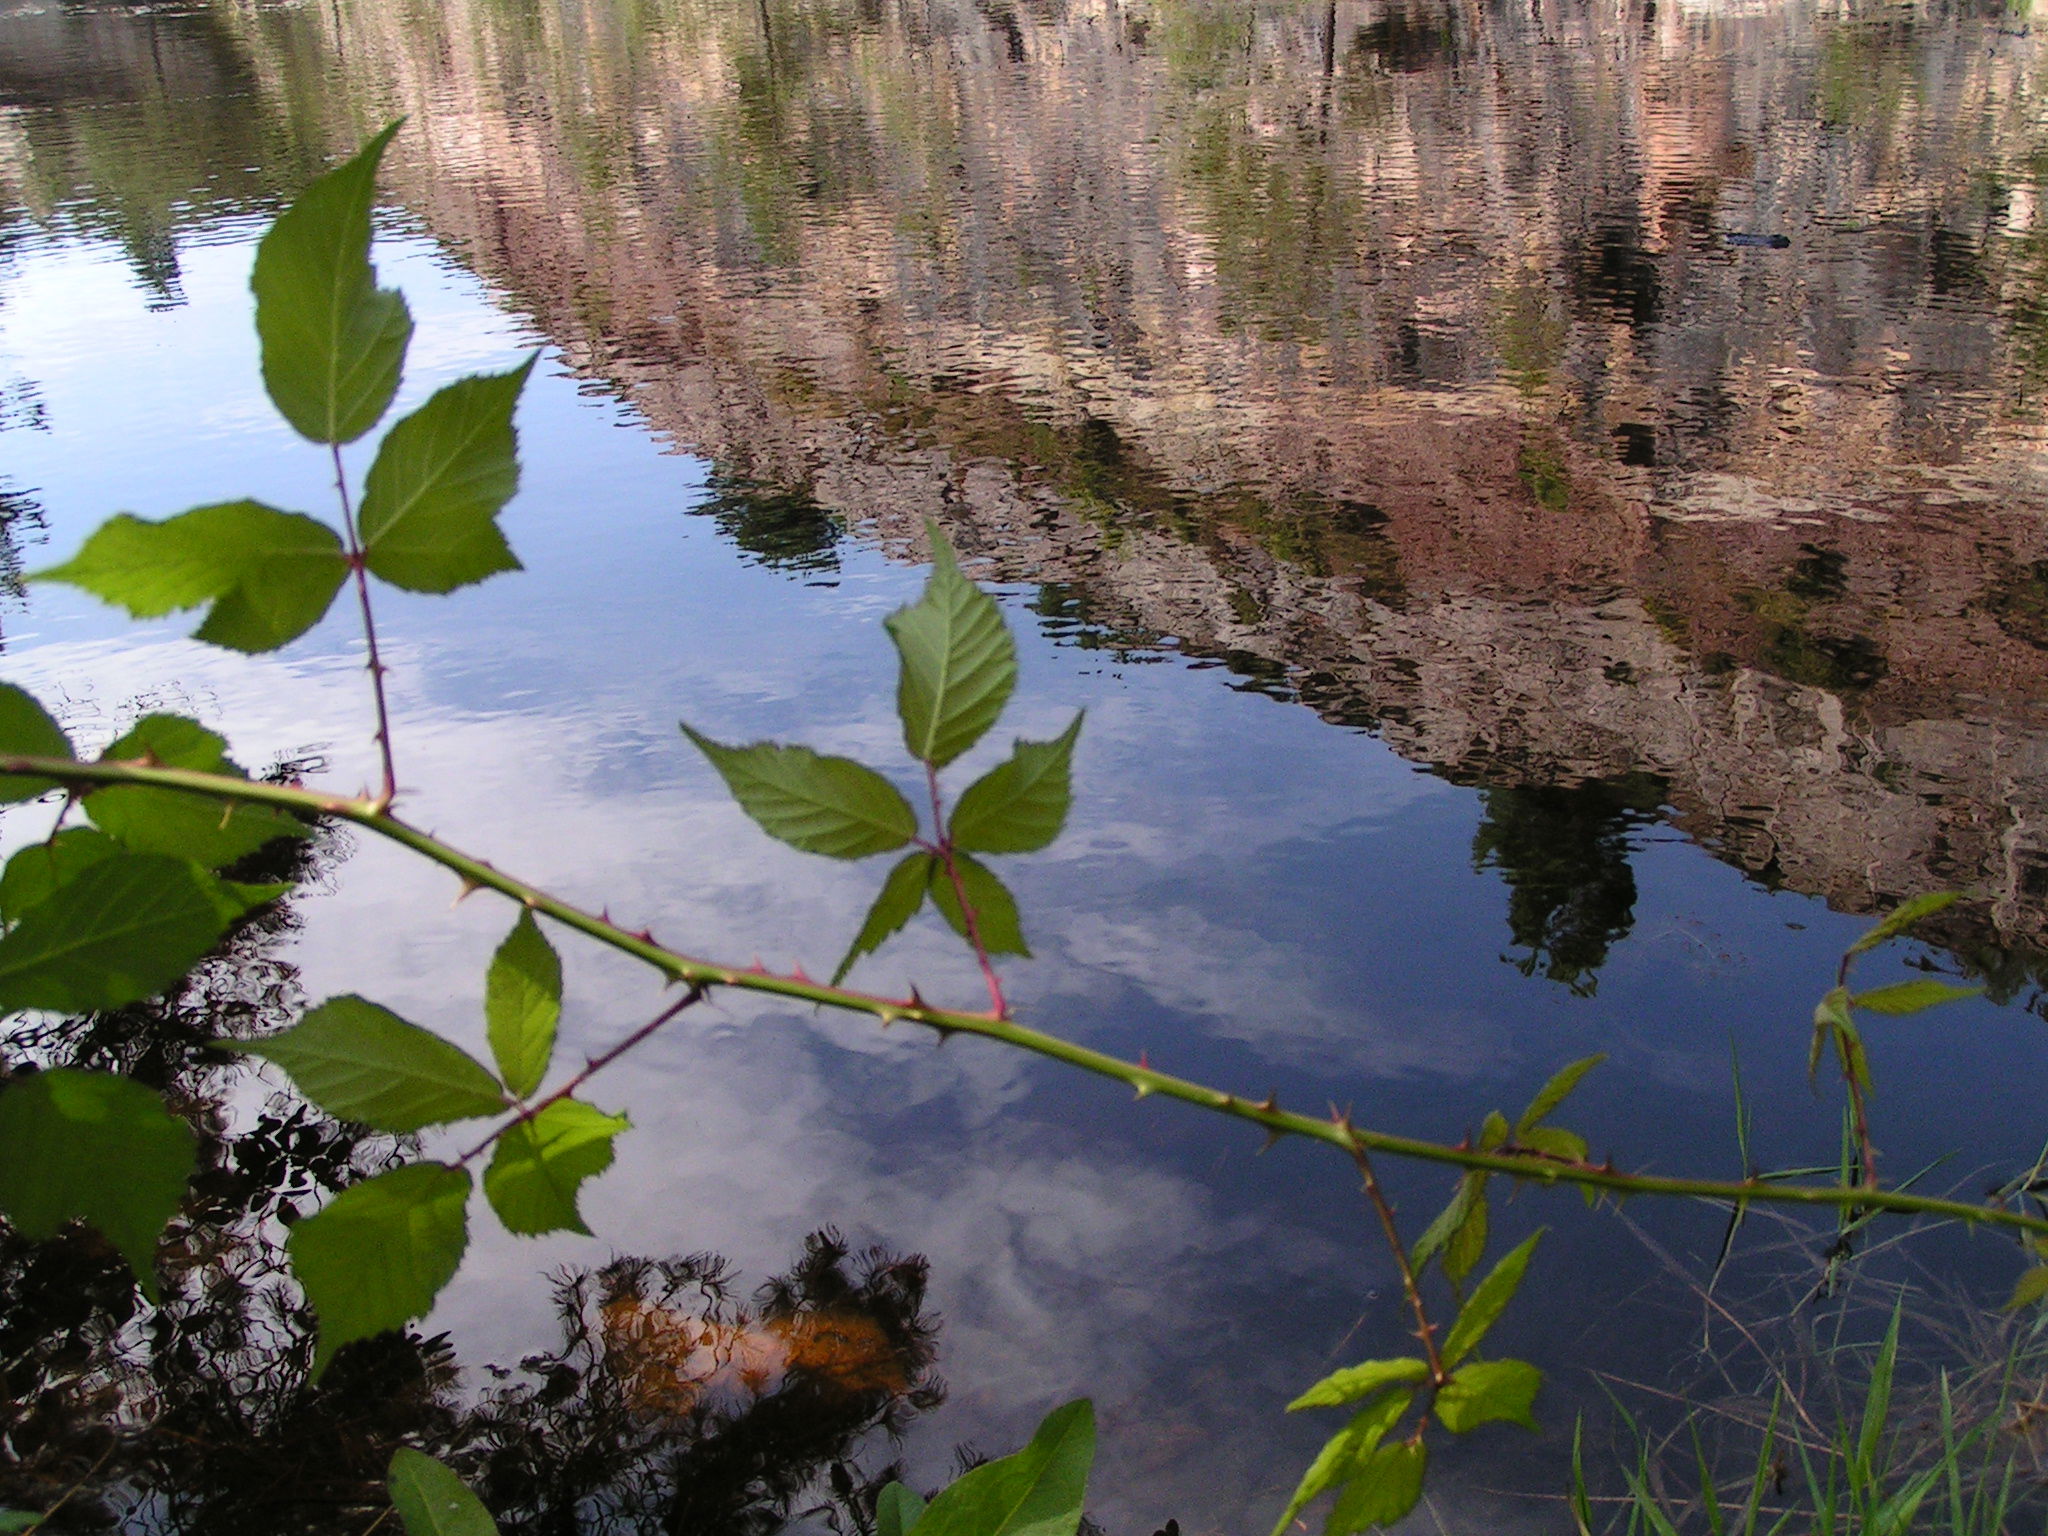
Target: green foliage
x,y
375,1257
442,475
93,1147
361,1062
959,663
1484,1391
896,1510
26,728
166,821
1904,916
1382,1488
540,1164
19,1520
1020,805
1038,1491
333,341
996,922
35,871
900,899
1554,1093
122,929
1458,1232
432,1501
522,1005
269,575
1346,1455
1487,1301
828,805
1357,1382
1912,996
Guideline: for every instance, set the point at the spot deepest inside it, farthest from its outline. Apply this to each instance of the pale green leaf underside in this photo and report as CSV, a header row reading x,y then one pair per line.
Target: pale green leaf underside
x,y
540,1165
1036,1492
523,1005
26,728
432,1501
1020,805
828,805
1356,1382
899,900
995,909
361,1062
93,1147
1488,1391
121,930
958,662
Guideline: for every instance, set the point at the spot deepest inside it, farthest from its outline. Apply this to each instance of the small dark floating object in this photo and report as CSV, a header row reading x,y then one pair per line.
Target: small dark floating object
x,y
1757,242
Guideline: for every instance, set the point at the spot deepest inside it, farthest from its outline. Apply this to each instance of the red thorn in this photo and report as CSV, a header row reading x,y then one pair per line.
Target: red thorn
x,y
1145,1061
798,972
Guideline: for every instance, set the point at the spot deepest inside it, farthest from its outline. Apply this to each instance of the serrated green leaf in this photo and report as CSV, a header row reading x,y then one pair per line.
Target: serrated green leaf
x,y
1357,1382
1904,916
540,1165
364,1063
35,871
431,500
958,661
995,909
1553,1141
270,575
1483,1391
896,1510
1446,1221
2028,1289
26,729
333,341
1021,804
1343,1452
121,930
1466,1245
1830,1017
523,1005
1554,1092
1036,1492
93,1147
1487,1301
170,821
432,1501
828,805
899,900
1912,996
1384,1487
375,1257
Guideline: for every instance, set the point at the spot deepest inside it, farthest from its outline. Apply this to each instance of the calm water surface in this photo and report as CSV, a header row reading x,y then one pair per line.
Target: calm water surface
x,y
1546,507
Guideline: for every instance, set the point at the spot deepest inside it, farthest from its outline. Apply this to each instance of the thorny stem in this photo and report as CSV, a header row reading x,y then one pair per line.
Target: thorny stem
x,y
527,1113
1411,1286
1336,1130
362,575
943,846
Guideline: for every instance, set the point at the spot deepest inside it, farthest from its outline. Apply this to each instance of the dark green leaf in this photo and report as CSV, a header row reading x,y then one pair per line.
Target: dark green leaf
x,y
1482,1391
901,896
1447,1221
1489,1298
27,730
379,1252
828,805
1385,1486
540,1165
523,1004
1036,1492
333,342
170,821
897,1510
2028,1289
1467,1243
958,662
364,1063
1912,996
1019,805
432,1501
270,575
1554,1093
1904,916
995,909
442,475
19,1520
93,1147
1356,1382
118,931
1344,1451
1554,1141
35,871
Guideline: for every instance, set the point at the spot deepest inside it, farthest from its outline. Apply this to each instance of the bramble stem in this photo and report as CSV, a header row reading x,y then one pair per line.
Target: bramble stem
x,y
362,575
998,1004
1336,1131
1410,1285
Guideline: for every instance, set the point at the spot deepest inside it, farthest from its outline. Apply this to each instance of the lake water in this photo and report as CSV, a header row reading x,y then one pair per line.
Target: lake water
x,y
1545,506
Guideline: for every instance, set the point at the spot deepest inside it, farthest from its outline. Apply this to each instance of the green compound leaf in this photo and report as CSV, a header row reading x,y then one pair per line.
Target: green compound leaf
x,y
442,475
170,821
120,930
541,1164
523,1004
333,341
828,805
1020,805
1554,1093
1912,996
1036,1492
896,1510
1344,1451
93,1147
1385,1486
901,897
379,1252
364,1063
1487,1301
432,1501
958,662
995,909
1904,916
270,575
1357,1382
1483,1391
26,728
